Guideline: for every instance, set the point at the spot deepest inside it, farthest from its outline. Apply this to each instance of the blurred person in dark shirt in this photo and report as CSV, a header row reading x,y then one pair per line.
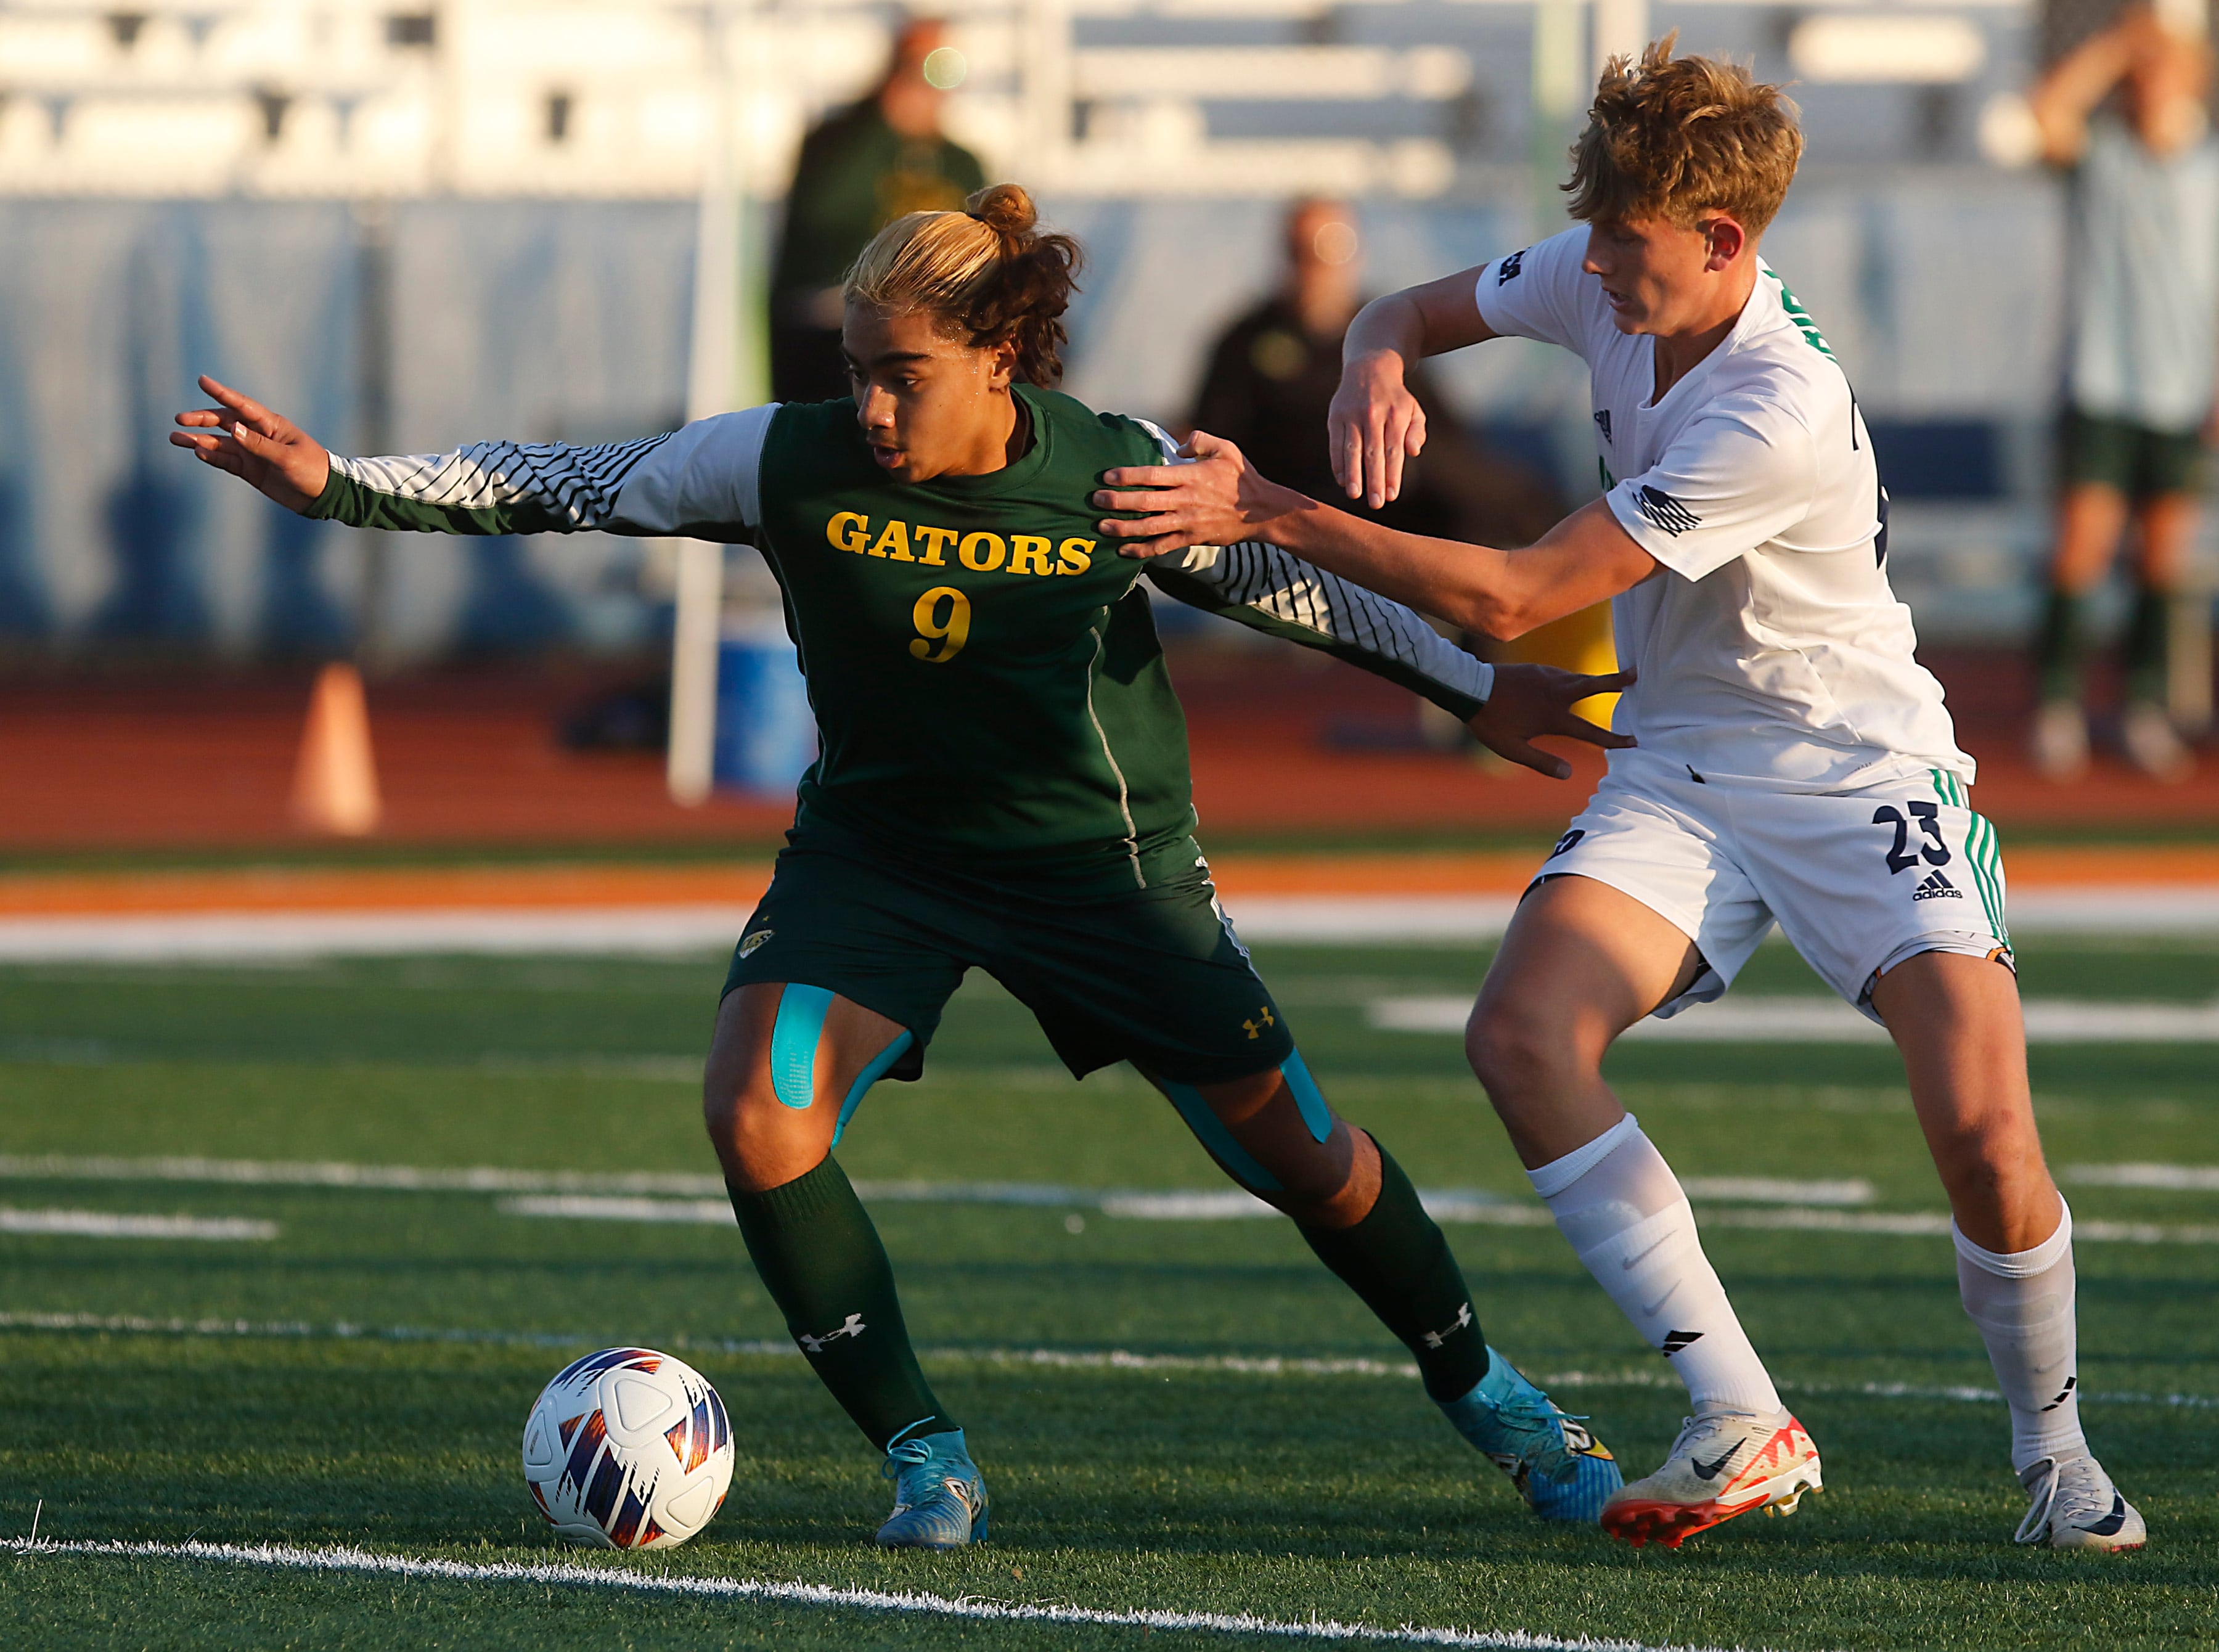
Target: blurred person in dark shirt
x,y
1270,382
861,169
1273,374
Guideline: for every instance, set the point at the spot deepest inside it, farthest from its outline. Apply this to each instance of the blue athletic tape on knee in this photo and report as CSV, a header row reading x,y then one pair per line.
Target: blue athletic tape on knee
x,y
870,1076
1210,1131
793,1038
1308,1097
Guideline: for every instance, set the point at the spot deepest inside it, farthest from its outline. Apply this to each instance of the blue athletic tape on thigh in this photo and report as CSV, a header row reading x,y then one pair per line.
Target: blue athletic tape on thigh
x,y
1210,1130
1316,1113
793,1038
870,1076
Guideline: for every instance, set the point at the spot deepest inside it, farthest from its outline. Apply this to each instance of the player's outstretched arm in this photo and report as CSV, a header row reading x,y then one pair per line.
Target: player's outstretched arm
x,y
1375,423
1529,701
1220,499
1505,707
701,482
265,450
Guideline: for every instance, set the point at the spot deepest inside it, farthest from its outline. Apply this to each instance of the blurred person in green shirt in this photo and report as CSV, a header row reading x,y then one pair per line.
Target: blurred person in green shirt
x,y
2143,245
862,167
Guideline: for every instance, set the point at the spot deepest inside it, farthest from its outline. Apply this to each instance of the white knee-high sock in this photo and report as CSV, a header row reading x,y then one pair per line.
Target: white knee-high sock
x,y
1618,1203
2022,1304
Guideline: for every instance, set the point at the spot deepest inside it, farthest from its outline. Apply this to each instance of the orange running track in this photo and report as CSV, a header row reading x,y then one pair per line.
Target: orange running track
x,y
1286,747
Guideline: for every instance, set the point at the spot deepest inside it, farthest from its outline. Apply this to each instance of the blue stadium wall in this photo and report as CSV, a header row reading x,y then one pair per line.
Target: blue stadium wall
x,y
446,321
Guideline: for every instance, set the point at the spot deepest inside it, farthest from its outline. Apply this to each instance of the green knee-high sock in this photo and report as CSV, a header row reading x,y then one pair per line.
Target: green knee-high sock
x,y
2148,634
2060,647
820,1259
1398,1261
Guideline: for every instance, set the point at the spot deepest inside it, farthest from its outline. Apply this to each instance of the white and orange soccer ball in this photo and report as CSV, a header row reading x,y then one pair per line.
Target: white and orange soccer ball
x,y
628,1449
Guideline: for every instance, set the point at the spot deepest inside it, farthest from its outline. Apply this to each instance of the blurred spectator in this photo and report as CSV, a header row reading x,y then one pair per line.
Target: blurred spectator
x,y
1272,374
863,167
2144,256
1271,379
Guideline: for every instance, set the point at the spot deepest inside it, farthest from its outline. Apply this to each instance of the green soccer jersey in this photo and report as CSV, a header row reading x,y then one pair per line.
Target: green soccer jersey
x,y
988,685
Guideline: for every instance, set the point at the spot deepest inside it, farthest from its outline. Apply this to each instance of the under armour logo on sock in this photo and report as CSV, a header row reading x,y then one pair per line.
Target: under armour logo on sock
x,y
1675,1340
1435,1338
854,1327
2063,1394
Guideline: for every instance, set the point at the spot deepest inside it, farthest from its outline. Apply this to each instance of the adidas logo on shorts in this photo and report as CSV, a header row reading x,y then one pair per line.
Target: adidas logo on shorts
x,y
1937,888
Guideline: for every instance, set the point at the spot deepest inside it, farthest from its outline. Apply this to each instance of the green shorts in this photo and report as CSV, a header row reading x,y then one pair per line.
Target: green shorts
x,y
1156,977
2136,460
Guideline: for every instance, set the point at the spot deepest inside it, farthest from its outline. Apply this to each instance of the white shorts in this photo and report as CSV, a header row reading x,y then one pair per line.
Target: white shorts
x,y
1858,881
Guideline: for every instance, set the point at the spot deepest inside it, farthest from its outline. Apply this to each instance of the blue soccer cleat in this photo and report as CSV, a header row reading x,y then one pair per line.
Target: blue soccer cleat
x,y
1562,1471
940,1497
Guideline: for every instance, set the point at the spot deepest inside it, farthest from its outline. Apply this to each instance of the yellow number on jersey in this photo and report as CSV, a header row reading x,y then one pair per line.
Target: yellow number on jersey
x,y
951,633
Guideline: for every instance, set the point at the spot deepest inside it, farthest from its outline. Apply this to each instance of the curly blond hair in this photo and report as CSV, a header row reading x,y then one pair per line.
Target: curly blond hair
x,y
1673,138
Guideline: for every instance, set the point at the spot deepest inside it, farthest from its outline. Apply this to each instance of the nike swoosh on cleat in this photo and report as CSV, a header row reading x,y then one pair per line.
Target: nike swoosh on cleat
x,y
2110,1524
1710,1470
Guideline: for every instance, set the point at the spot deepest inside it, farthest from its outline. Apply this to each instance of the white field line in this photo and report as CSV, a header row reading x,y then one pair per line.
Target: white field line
x,y
221,936
2171,1178
111,1224
1070,1359
1233,1204
409,1178
2127,909
1448,1204
581,1195
974,1608
1811,1019
675,929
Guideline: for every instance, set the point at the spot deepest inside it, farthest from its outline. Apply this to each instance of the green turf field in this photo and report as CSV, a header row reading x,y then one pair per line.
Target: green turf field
x,y
362,1377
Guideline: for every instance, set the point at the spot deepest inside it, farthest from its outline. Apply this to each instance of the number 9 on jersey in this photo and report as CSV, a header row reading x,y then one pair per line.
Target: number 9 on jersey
x,y
948,633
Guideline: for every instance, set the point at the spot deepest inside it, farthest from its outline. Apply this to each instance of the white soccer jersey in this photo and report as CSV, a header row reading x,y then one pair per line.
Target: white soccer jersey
x,y
1771,649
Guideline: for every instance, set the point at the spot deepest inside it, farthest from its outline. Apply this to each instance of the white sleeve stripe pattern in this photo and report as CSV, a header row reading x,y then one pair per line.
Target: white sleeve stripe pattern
x,y
1272,581
578,485
1275,582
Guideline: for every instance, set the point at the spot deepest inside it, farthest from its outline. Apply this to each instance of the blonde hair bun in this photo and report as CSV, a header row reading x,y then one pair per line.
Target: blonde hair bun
x,y
990,273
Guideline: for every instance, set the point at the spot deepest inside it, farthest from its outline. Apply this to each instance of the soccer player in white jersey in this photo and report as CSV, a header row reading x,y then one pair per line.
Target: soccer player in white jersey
x,y
1794,763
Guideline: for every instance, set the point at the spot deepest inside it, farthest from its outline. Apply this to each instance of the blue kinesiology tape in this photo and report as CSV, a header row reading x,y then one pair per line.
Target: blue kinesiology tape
x,y
793,1038
870,1076
1308,1097
1210,1131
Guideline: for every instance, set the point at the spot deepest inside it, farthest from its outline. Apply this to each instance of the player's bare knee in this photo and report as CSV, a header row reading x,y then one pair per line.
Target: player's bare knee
x,y
1512,1053
762,1144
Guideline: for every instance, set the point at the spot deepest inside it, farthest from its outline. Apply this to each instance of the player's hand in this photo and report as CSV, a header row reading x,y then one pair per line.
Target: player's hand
x,y
264,447
1373,425
1218,498
1527,701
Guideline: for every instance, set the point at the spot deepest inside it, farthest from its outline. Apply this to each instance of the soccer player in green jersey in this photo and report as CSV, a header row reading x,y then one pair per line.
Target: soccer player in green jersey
x,y
1003,785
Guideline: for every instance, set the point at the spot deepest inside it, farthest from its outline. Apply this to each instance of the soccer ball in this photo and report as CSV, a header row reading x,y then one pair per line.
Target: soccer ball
x,y
628,1449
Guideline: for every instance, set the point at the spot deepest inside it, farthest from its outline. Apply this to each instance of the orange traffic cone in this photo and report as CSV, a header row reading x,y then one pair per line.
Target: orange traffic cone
x,y
335,782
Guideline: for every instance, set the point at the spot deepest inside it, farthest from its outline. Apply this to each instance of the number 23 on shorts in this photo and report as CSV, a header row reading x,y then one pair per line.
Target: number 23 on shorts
x,y
939,639
1901,856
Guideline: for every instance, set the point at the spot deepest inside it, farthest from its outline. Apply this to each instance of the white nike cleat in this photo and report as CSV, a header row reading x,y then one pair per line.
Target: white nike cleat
x,y
1723,1463
2075,1505
2153,746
